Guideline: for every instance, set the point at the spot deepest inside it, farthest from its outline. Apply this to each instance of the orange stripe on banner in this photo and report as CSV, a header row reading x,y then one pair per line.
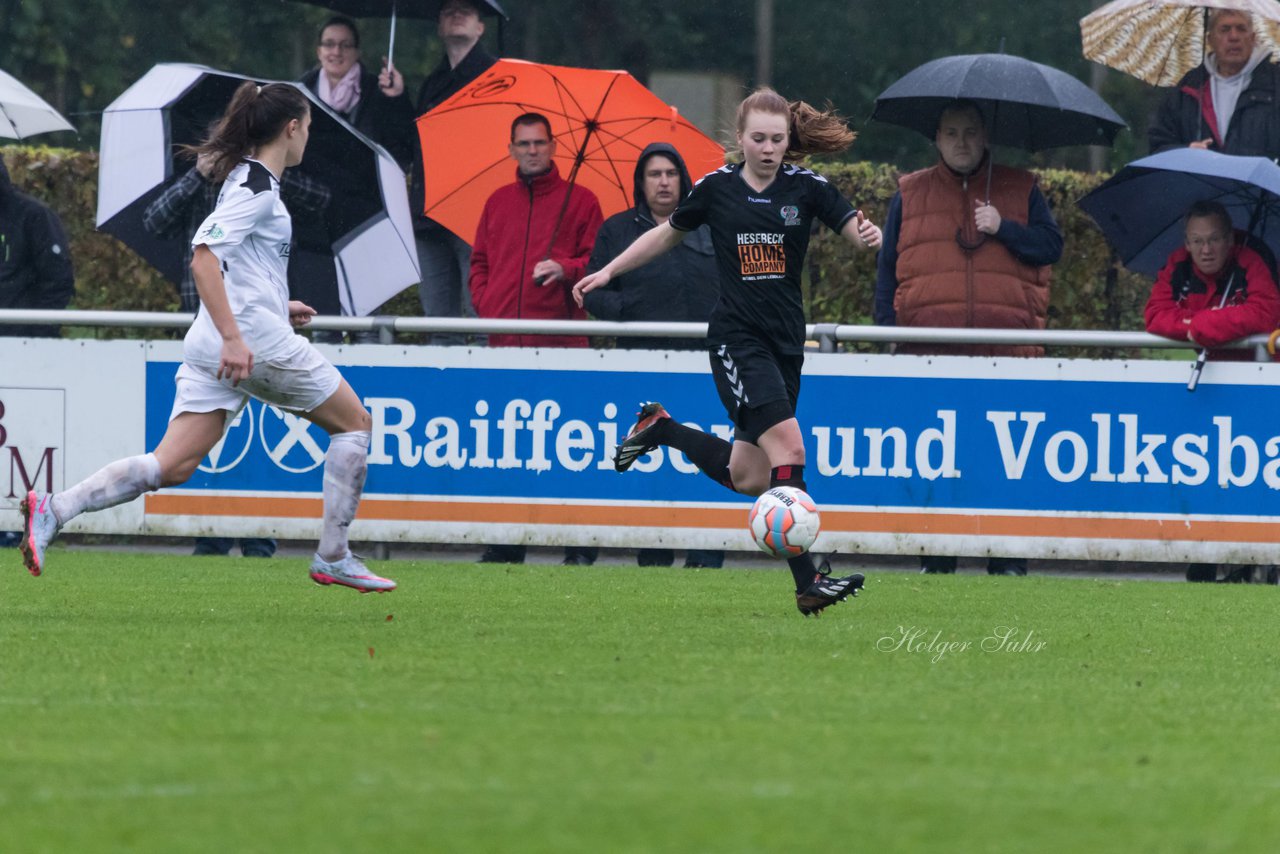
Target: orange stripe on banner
x,y
399,510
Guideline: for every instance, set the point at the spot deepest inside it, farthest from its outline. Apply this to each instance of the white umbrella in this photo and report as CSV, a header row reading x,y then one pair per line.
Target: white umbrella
x,y
173,104
23,113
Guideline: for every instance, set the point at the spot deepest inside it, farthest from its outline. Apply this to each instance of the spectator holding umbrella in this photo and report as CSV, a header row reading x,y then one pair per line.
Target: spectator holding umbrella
x,y
533,242
444,257
354,92
1230,102
967,244
342,83
1213,290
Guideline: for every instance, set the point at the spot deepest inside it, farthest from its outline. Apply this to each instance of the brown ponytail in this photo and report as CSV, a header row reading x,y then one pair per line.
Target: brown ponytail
x,y
255,116
810,131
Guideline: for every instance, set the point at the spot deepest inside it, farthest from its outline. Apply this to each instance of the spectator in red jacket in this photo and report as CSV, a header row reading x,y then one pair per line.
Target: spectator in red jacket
x,y
516,272
1213,290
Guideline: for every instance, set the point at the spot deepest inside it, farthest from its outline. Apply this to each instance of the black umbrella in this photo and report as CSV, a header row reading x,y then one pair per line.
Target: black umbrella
x,y
425,9
1026,105
368,229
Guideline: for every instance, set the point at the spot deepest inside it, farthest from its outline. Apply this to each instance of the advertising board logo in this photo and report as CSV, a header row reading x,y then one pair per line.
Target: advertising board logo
x,y
293,443
32,436
233,445
493,87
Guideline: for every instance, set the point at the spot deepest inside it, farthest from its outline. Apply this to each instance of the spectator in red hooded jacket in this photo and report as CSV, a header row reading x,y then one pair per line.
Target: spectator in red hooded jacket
x,y
1213,290
515,271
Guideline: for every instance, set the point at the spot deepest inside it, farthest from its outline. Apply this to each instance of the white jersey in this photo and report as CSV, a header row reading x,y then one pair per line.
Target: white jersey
x,y
249,231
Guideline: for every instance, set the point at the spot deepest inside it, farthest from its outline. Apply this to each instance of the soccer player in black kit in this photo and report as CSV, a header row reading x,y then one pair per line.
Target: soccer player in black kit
x,y
759,211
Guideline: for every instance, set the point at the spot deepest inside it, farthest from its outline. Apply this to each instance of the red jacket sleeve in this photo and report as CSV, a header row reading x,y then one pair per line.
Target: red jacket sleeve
x,y
478,279
1163,315
1258,311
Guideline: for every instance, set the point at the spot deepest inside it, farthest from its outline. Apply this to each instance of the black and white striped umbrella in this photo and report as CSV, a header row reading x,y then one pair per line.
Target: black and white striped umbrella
x,y
174,104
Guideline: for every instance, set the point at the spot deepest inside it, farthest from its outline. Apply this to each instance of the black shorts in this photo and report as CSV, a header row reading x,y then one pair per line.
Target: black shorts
x,y
758,386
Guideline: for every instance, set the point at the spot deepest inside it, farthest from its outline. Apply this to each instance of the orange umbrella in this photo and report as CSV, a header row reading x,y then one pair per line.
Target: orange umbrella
x,y
601,121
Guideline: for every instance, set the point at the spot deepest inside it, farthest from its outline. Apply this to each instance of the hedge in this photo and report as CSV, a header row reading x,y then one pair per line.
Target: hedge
x,y
1089,290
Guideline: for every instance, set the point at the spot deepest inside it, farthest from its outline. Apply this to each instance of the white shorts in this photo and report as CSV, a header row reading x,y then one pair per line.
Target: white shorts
x,y
298,381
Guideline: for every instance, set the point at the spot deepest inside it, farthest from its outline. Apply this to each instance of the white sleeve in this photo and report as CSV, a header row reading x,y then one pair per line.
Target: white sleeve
x,y
236,217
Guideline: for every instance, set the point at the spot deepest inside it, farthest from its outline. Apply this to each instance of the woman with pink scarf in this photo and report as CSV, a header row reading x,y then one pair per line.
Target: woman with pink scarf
x,y
342,83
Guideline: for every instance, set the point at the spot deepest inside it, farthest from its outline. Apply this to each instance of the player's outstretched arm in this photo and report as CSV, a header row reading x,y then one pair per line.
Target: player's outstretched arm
x,y
237,358
657,240
862,232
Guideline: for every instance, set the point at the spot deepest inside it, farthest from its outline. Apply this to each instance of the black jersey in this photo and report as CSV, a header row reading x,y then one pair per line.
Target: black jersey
x,y
760,240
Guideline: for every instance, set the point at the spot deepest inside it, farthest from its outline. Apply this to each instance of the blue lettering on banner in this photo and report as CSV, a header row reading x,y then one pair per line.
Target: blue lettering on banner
x,y
888,441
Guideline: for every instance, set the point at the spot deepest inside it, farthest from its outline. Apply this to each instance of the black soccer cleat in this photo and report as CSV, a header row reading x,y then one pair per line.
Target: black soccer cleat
x,y
825,590
640,440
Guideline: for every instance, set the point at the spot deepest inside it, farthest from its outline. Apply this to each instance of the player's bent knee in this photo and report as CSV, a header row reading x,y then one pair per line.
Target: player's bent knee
x,y
178,472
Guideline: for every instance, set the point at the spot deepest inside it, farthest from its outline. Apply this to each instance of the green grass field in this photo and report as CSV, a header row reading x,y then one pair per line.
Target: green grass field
x,y
160,703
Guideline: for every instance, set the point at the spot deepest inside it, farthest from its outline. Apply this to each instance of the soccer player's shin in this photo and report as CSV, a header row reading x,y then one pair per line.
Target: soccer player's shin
x,y
707,451
121,481
345,465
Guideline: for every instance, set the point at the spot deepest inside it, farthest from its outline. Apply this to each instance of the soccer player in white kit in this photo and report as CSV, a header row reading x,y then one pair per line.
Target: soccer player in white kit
x,y
242,345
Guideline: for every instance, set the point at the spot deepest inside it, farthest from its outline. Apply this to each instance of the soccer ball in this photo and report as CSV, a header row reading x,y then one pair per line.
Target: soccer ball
x,y
784,521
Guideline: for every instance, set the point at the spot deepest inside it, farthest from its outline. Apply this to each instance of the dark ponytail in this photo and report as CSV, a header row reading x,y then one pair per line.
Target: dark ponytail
x,y
255,116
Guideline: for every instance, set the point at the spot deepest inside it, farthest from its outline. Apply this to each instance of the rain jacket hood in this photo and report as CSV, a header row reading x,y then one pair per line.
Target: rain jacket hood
x,y
666,150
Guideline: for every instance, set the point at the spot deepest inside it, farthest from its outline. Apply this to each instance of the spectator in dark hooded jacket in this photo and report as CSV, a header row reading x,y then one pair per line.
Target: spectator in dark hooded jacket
x,y
681,285
35,263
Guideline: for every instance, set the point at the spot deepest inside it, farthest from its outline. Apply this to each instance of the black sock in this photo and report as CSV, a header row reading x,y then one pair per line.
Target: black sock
x,y
707,451
787,476
802,570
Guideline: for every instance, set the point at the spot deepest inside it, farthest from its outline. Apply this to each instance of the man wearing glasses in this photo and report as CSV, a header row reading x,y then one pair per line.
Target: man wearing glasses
x,y
1214,289
516,271
532,244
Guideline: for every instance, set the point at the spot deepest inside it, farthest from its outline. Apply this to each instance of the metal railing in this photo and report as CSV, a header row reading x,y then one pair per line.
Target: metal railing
x,y
827,335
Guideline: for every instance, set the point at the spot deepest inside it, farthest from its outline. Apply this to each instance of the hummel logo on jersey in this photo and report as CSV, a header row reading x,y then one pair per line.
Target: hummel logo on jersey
x,y
214,231
790,215
756,201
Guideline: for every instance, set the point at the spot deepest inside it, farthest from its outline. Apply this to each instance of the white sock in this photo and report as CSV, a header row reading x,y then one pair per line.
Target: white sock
x,y
345,464
121,481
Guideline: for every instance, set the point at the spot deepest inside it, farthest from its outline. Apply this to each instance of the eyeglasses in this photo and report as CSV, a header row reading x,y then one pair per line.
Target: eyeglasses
x,y
1213,240
527,144
332,45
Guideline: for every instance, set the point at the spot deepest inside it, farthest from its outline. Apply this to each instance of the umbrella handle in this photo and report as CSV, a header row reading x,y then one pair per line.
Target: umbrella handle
x,y
391,48
1196,369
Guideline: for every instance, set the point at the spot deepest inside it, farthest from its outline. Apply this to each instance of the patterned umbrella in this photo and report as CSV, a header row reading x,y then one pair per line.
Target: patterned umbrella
x,y
1158,41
